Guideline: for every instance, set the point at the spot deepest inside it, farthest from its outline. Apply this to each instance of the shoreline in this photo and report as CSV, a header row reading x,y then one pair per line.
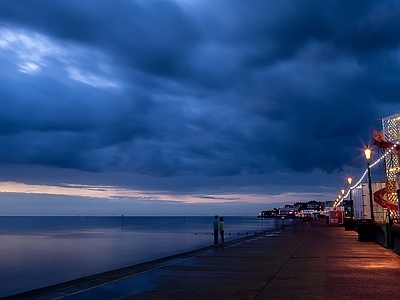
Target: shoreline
x,y
103,278
45,252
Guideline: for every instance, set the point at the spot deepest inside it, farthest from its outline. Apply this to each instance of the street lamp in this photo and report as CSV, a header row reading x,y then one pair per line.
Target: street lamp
x,y
349,181
348,209
367,153
342,191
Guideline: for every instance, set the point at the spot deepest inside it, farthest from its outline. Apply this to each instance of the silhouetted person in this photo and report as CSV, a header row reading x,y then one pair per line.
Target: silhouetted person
x,y
216,227
222,229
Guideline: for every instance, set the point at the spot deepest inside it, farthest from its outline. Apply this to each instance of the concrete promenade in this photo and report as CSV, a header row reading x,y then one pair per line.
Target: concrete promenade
x,y
307,261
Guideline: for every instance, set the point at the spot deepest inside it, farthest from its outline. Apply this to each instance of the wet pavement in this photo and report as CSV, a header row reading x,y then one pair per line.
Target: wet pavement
x,y
307,261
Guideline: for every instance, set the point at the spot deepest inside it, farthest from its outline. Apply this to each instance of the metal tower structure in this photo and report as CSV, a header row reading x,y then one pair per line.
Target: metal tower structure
x,y
391,134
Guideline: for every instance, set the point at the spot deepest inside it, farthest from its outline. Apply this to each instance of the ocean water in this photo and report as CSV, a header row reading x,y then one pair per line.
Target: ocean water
x,y
41,251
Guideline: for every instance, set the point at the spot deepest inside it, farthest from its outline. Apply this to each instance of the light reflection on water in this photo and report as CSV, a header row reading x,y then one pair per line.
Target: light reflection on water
x,y
40,251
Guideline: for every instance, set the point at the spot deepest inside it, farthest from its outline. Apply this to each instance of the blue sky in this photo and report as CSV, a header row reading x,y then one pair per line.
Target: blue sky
x,y
189,107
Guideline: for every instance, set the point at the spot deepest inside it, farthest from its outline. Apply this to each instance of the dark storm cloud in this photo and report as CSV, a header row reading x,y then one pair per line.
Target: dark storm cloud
x,y
153,37
217,88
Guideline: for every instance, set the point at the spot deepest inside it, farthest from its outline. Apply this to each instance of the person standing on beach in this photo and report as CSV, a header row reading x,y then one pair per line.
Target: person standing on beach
x,y
216,227
222,229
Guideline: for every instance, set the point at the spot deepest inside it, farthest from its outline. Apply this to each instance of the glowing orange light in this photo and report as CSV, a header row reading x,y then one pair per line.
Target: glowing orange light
x,y
367,153
349,180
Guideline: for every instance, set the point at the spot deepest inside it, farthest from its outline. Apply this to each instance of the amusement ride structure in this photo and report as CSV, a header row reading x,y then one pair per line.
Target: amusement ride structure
x,y
388,140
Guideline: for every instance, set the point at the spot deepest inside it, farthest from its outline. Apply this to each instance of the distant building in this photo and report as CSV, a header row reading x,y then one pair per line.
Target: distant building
x,y
296,209
269,213
288,211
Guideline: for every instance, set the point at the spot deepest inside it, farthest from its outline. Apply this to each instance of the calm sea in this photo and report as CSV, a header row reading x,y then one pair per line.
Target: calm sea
x,y
41,251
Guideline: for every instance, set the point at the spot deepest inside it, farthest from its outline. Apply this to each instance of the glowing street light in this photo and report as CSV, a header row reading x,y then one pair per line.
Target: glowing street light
x,y
348,209
349,181
341,196
367,153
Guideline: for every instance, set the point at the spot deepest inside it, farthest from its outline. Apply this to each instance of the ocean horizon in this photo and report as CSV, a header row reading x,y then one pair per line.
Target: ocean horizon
x,y
38,251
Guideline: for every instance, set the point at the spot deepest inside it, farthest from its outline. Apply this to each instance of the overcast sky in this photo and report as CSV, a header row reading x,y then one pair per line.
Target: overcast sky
x,y
189,107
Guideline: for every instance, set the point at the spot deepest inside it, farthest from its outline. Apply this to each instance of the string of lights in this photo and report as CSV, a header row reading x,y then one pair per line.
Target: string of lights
x,y
390,151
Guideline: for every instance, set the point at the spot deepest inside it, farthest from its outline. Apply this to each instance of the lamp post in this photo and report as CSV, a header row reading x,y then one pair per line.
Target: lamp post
x,y
349,181
348,210
367,153
342,191
341,213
